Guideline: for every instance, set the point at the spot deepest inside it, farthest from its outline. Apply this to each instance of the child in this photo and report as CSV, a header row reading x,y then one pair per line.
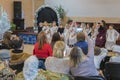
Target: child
x,y
53,29
100,54
46,29
40,27
81,42
72,35
111,37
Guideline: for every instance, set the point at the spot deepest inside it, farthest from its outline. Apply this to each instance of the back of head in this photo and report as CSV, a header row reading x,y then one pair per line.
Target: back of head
x,y
4,55
80,36
97,51
58,49
17,43
116,48
56,37
76,56
42,39
30,69
7,35
7,38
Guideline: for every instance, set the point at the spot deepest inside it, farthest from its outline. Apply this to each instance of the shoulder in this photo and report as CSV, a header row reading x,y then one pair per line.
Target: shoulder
x,y
115,59
47,45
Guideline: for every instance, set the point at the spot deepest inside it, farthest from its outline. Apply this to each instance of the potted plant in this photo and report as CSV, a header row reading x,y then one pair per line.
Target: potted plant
x,y
61,12
13,27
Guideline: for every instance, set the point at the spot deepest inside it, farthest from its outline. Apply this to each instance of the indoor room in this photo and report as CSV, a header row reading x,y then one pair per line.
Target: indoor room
x,y
59,40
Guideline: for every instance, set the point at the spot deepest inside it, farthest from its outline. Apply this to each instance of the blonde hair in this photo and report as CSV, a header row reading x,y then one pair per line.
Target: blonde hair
x,y
58,49
41,39
76,56
80,36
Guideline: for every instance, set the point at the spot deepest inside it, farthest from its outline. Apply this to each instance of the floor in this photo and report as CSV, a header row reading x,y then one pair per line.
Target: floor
x,y
28,48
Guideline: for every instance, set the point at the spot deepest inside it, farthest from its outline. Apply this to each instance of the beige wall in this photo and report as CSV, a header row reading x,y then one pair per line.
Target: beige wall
x,y
28,7
38,3
96,19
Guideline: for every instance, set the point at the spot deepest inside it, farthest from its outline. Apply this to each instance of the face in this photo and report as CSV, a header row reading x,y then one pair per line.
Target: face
x,y
45,23
110,27
54,23
101,23
40,24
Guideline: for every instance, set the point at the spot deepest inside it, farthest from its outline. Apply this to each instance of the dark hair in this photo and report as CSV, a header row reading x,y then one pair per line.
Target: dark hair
x,y
104,23
55,38
17,43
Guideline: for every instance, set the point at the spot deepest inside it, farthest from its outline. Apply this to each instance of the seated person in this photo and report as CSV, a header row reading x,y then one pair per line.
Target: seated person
x,y
17,55
6,42
116,49
6,73
100,54
81,64
81,42
55,38
42,49
31,72
59,63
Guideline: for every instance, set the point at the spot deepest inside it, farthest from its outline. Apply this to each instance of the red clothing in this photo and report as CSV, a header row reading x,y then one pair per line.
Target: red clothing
x,y
44,52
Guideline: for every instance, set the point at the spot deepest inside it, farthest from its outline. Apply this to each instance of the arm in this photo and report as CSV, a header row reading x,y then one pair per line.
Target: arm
x,y
117,34
90,46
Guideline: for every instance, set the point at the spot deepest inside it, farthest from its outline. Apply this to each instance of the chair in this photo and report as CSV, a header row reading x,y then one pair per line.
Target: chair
x,y
89,78
112,71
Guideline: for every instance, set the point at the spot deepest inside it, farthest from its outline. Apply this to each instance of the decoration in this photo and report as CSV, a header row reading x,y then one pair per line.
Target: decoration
x,y
44,6
61,11
4,22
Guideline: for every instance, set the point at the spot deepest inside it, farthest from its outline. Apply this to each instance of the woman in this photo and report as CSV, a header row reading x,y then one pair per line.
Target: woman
x,y
81,64
100,54
42,49
55,38
58,63
101,37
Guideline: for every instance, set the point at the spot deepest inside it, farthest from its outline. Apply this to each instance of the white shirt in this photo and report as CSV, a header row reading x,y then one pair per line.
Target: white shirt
x,y
98,58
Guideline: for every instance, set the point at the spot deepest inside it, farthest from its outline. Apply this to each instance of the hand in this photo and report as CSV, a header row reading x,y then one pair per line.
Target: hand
x,y
101,37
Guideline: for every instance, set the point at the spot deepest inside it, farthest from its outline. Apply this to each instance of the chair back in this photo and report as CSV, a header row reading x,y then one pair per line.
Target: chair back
x,y
89,78
112,71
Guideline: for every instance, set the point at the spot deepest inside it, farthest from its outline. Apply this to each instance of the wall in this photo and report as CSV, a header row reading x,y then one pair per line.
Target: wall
x,y
28,6
38,3
90,10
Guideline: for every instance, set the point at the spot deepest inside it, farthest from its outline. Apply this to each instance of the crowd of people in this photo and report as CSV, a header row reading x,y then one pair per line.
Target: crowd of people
x,y
60,52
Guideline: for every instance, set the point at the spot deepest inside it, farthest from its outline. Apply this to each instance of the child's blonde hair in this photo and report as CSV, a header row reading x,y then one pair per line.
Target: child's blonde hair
x,y
76,56
58,49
